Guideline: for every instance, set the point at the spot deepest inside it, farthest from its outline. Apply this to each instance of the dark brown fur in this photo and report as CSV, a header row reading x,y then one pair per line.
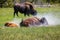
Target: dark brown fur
x,y
28,21
25,8
33,21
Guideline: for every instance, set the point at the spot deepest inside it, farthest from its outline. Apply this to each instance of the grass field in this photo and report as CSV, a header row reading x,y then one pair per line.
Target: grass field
x,y
23,33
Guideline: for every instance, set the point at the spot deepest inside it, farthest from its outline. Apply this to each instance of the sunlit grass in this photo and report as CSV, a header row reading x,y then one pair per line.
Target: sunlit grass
x,y
34,33
29,33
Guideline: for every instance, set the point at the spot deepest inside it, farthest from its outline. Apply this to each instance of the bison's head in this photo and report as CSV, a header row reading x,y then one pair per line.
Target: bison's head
x,y
43,21
33,12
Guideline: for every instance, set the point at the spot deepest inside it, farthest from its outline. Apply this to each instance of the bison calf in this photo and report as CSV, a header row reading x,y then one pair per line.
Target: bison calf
x,y
10,24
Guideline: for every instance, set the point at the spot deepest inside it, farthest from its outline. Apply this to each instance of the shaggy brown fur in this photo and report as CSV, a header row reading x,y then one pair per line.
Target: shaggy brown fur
x,y
28,21
33,21
26,8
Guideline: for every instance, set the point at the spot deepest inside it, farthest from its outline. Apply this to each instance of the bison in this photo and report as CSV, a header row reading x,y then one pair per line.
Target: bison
x,y
25,8
33,21
10,24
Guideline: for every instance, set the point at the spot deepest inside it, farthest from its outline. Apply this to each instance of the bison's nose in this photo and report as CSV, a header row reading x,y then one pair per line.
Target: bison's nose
x,y
34,13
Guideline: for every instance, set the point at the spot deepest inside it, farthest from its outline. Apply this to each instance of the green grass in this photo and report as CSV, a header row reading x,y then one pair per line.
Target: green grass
x,y
34,33
23,33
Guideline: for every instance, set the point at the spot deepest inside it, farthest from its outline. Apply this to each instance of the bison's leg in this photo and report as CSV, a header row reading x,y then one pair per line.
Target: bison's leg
x,y
15,12
26,14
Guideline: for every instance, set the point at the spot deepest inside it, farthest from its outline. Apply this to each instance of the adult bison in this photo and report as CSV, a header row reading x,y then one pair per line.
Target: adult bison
x,y
33,21
25,8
